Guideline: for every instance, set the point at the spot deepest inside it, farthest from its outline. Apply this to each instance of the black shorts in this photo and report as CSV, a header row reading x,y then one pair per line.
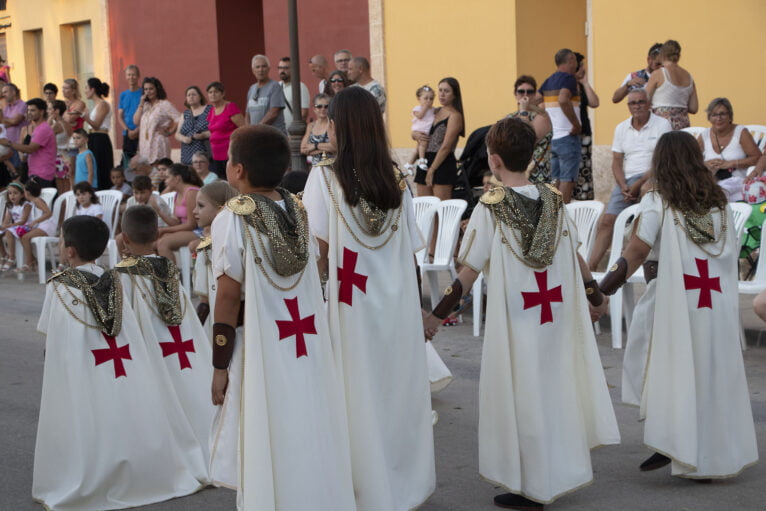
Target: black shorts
x,y
446,174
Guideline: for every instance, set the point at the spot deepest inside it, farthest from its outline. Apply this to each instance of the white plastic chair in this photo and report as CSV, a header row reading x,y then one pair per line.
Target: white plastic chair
x,y
63,208
170,200
741,211
3,200
449,214
425,212
110,200
694,131
184,261
759,135
755,286
48,194
585,215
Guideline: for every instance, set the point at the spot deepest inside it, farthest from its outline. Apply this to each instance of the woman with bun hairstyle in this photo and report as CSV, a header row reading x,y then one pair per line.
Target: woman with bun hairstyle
x,y
100,119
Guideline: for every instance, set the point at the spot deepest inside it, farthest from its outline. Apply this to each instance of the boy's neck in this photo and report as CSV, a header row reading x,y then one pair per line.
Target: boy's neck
x,y
82,149
513,179
271,193
76,262
142,250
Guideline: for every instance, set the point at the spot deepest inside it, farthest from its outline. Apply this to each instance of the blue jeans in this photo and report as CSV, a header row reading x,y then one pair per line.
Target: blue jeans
x,y
565,158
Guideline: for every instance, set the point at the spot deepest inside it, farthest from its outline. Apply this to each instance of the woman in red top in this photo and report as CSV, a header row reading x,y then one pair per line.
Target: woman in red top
x,y
222,120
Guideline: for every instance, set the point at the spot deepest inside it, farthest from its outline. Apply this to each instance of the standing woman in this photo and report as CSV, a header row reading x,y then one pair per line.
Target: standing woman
x,y
683,362
316,141
222,119
63,131
525,89
192,129
588,98
155,119
100,120
75,108
337,81
671,88
361,212
448,126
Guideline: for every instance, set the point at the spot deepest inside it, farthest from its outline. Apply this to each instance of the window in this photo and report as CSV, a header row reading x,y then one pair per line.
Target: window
x,y
77,51
33,62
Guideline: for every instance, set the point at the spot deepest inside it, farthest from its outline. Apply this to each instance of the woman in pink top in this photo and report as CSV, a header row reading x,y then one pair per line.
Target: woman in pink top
x,y
186,183
222,119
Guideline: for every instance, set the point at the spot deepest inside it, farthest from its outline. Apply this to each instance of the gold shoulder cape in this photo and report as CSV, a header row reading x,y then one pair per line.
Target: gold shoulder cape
x,y
103,296
165,279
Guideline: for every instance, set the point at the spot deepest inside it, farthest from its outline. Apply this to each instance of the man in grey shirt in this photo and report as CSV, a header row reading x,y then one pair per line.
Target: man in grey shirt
x,y
265,100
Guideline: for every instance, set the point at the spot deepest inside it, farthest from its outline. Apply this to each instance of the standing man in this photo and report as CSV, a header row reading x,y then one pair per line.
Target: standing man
x,y
342,60
14,117
287,92
359,72
632,150
638,79
129,101
265,101
318,65
562,103
41,148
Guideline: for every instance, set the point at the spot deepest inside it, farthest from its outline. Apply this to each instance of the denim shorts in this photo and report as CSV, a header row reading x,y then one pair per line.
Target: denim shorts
x,y
617,201
565,158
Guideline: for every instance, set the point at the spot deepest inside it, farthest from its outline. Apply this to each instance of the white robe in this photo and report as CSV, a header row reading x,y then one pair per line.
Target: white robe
x,y
104,439
439,374
205,285
188,362
543,398
378,331
286,447
683,362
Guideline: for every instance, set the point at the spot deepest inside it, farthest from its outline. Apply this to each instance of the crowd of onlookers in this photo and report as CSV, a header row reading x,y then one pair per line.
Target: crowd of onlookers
x,y
64,142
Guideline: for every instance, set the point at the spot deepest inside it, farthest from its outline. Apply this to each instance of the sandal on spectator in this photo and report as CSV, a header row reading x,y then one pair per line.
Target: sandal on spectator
x,y
27,268
8,264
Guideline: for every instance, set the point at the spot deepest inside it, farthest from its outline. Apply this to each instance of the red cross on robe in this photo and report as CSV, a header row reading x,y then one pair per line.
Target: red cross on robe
x,y
113,353
704,283
348,278
178,346
543,297
297,327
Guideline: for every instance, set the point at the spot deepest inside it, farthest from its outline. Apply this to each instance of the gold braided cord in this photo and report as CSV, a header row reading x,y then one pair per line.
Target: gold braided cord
x,y
699,229
102,295
392,226
536,225
165,293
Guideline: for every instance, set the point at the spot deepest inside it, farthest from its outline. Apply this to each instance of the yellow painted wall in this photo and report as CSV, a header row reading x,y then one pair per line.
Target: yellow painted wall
x,y
721,46
48,15
427,40
537,41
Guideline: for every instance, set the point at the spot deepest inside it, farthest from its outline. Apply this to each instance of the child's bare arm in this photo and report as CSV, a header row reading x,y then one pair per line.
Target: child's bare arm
x,y
420,112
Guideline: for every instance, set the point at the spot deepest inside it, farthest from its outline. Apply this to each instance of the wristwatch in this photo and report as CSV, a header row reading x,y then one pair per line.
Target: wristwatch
x,y
524,114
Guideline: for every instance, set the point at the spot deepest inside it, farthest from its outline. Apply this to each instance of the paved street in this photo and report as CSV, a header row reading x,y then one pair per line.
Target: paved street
x,y
618,484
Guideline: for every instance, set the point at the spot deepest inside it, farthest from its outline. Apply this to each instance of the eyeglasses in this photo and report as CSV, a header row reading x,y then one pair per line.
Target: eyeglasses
x,y
321,106
640,102
198,162
523,92
720,114
336,80
342,60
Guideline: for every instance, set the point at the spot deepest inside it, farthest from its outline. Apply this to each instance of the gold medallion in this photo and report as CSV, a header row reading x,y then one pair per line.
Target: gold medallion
x,y
589,290
448,291
127,262
221,340
325,161
204,242
242,205
394,227
493,196
614,267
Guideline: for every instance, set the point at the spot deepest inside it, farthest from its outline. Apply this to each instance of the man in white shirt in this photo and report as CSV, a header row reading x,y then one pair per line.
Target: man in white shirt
x,y
359,72
632,149
284,81
318,65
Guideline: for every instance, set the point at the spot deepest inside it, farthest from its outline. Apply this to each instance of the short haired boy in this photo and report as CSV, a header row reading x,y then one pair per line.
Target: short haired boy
x,y
274,347
117,177
172,333
543,399
104,440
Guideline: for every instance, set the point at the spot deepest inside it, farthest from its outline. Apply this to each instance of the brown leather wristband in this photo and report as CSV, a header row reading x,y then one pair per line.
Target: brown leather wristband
x,y
203,311
223,344
450,299
593,293
615,278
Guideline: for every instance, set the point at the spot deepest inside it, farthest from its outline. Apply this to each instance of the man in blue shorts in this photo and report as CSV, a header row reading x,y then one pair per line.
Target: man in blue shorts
x,y
562,104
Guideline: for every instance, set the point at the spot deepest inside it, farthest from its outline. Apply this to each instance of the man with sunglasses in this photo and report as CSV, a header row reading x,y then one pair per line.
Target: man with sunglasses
x,y
638,79
632,150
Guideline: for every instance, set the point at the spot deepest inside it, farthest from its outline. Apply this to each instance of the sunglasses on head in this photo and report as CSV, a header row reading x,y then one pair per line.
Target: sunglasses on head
x,y
527,92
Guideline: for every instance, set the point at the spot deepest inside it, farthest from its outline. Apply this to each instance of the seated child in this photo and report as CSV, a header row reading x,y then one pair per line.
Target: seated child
x,y
117,176
143,194
13,225
177,344
87,200
274,347
104,440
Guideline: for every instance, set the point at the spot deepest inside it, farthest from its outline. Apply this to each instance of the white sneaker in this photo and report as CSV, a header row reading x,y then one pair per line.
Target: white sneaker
x,y
409,169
